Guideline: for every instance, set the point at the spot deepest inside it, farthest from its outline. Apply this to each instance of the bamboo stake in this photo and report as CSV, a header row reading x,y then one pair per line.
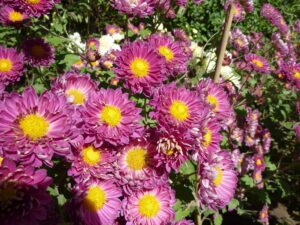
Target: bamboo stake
x,y
224,42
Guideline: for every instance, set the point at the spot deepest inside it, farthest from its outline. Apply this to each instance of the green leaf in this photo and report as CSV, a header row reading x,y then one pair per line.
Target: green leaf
x,y
187,168
233,204
218,219
248,180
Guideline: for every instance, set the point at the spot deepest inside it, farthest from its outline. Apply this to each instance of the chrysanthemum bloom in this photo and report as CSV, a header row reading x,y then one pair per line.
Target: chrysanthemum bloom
x,y
239,40
297,131
93,43
181,2
257,63
280,45
264,215
112,29
259,162
152,207
218,180
135,168
238,10
266,139
90,162
198,2
216,97
10,16
32,7
110,116
32,128
248,5
23,195
38,52
251,141
140,8
180,35
100,202
177,107
297,26
76,87
11,64
140,66
172,147
252,120
237,135
209,137
293,73
78,65
175,58
257,177
274,17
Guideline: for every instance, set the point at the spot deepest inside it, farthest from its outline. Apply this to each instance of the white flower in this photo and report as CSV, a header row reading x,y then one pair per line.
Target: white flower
x,y
228,73
76,43
107,43
118,36
197,50
210,60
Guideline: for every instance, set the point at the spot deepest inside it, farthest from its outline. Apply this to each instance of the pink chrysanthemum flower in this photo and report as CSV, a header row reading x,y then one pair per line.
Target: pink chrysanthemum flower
x,y
257,63
10,16
248,5
264,215
172,147
32,128
274,17
252,120
238,10
266,139
135,168
152,207
93,43
175,58
89,162
177,107
23,195
259,162
140,8
110,116
76,87
32,7
293,73
140,66
182,222
239,40
11,64
281,46
38,52
218,180
216,97
257,177
99,202
112,29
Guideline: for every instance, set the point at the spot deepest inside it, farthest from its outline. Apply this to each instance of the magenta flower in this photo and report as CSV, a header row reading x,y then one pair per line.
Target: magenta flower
x,y
252,120
10,16
97,202
293,73
153,207
177,107
257,177
112,29
32,7
140,66
175,58
93,44
140,8
23,198
89,162
238,10
239,40
264,215
136,169
77,88
38,52
257,63
11,64
172,147
216,97
248,5
297,131
281,46
33,128
110,116
274,17
266,139
259,162
218,180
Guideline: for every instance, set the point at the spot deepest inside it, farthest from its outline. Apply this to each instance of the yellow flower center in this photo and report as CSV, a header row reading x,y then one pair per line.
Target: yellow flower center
x,y
92,44
111,115
15,16
91,155
179,110
1,160
33,2
166,52
136,158
257,176
5,65
235,11
297,75
139,67
111,31
79,62
37,51
240,42
207,137
34,126
258,63
95,199
219,176
76,96
170,152
258,162
7,193
213,101
148,205
263,215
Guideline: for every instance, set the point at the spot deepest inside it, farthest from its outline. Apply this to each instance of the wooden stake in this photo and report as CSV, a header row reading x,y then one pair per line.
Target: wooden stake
x,y
224,42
